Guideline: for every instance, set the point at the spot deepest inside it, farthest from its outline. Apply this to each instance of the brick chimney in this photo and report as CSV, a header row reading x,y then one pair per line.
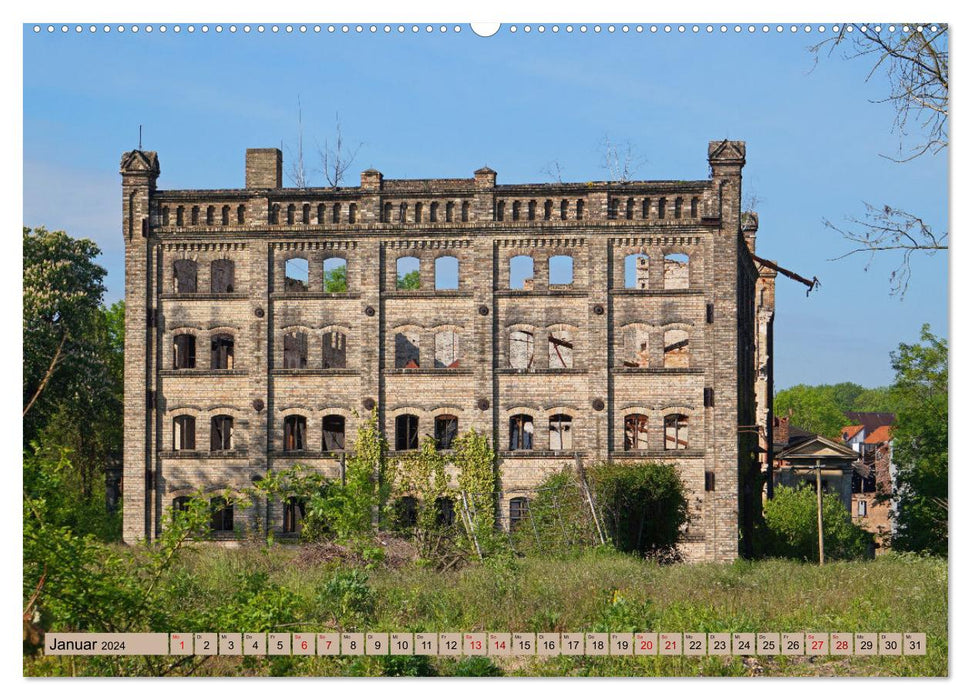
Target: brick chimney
x,y
264,169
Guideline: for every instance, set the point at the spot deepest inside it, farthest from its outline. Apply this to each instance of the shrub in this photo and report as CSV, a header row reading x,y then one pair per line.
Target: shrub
x,y
790,519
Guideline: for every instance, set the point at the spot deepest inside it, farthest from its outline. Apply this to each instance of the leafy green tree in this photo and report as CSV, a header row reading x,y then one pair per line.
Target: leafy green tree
x,y
791,521
335,280
421,474
920,440
813,408
410,280
478,479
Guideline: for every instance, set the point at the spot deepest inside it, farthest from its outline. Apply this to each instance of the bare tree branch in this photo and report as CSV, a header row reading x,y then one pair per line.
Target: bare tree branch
x,y
620,160
554,170
888,229
296,171
336,161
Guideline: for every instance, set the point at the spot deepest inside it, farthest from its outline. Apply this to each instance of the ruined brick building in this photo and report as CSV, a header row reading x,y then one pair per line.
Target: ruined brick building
x,y
588,320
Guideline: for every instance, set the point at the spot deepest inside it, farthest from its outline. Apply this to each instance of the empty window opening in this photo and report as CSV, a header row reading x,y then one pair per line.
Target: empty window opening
x,y
548,210
165,216
221,276
180,216
433,212
447,272
406,512
561,433
210,215
694,207
297,275
676,432
500,211
352,213
291,211
446,349
521,432
521,349
294,511
306,214
221,434
446,430
407,354
321,214
518,510
678,203
637,268
184,347
516,206
709,480
676,349
419,207
275,214
408,273
564,209
221,351
449,211
444,511
521,272
335,350
333,427
561,269
185,276
335,216
561,350
295,350
465,212
386,217
335,275
294,433
180,504
241,214
195,216
630,208
636,347
221,519
645,208
403,212
406,432
861,509
662,204
612,207
676,271
225,215
184,433
579,209
531,208
635,432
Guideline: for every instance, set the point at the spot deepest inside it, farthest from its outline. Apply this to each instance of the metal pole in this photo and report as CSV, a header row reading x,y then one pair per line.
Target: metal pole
x,y
819,508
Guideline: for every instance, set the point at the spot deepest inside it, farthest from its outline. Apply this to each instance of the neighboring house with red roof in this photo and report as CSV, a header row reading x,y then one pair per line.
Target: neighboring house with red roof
x,y
871,436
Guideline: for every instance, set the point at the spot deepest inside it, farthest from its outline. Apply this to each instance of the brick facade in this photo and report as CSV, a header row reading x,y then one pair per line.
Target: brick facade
x,y
654,338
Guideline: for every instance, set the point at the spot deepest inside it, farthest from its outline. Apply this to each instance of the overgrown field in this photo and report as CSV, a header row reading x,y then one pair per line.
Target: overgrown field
x,y
288,588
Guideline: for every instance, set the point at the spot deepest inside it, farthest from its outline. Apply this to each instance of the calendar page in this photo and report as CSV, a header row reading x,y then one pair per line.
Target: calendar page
x,y
520,349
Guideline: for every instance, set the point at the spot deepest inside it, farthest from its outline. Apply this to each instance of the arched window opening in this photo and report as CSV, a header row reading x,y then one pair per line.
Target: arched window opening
x,y
465,212
386,218
531,208
676,432
294,433
296,275
561,349
678,204
564,209
165,216
521,432
294,512
612,206
446,430
518,510
447,272
630,208
352,213
321,214
210,215
180,216
406,432
403,212
335,350
446,349
335,217
333,429
561,433
635,432
637,271
306,213
521,272
291,212
221,351
241,214
225,215
185,276
419,207
433,212
184,346
515,210
406,512
521,349
676,349
408,273
636,347
407,354
335,275
662,204
180,504
694,207
222,276
547,210
449,211
500,211
295,350
676,271
561,269
221,434
645,208
221,519
444,511
195,216
184,433
579,209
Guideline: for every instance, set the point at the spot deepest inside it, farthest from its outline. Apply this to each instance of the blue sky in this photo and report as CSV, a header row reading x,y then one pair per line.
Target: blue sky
x,y
442,105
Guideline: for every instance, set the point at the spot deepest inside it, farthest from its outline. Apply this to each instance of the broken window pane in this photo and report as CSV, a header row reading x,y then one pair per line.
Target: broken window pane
x,y
184,433
446,430
406,350
521,272
295,350
222,351
221,435
406,432
185,276
561,435
335,275
294,511
561,350
635,431
333,433
636,271
297,275
408,272
518,509
676,432
447,349
636,347
335,350
184,351
676,349
447,272
294,433
676,271
222,515
521,350
521,432
561,269
222,273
